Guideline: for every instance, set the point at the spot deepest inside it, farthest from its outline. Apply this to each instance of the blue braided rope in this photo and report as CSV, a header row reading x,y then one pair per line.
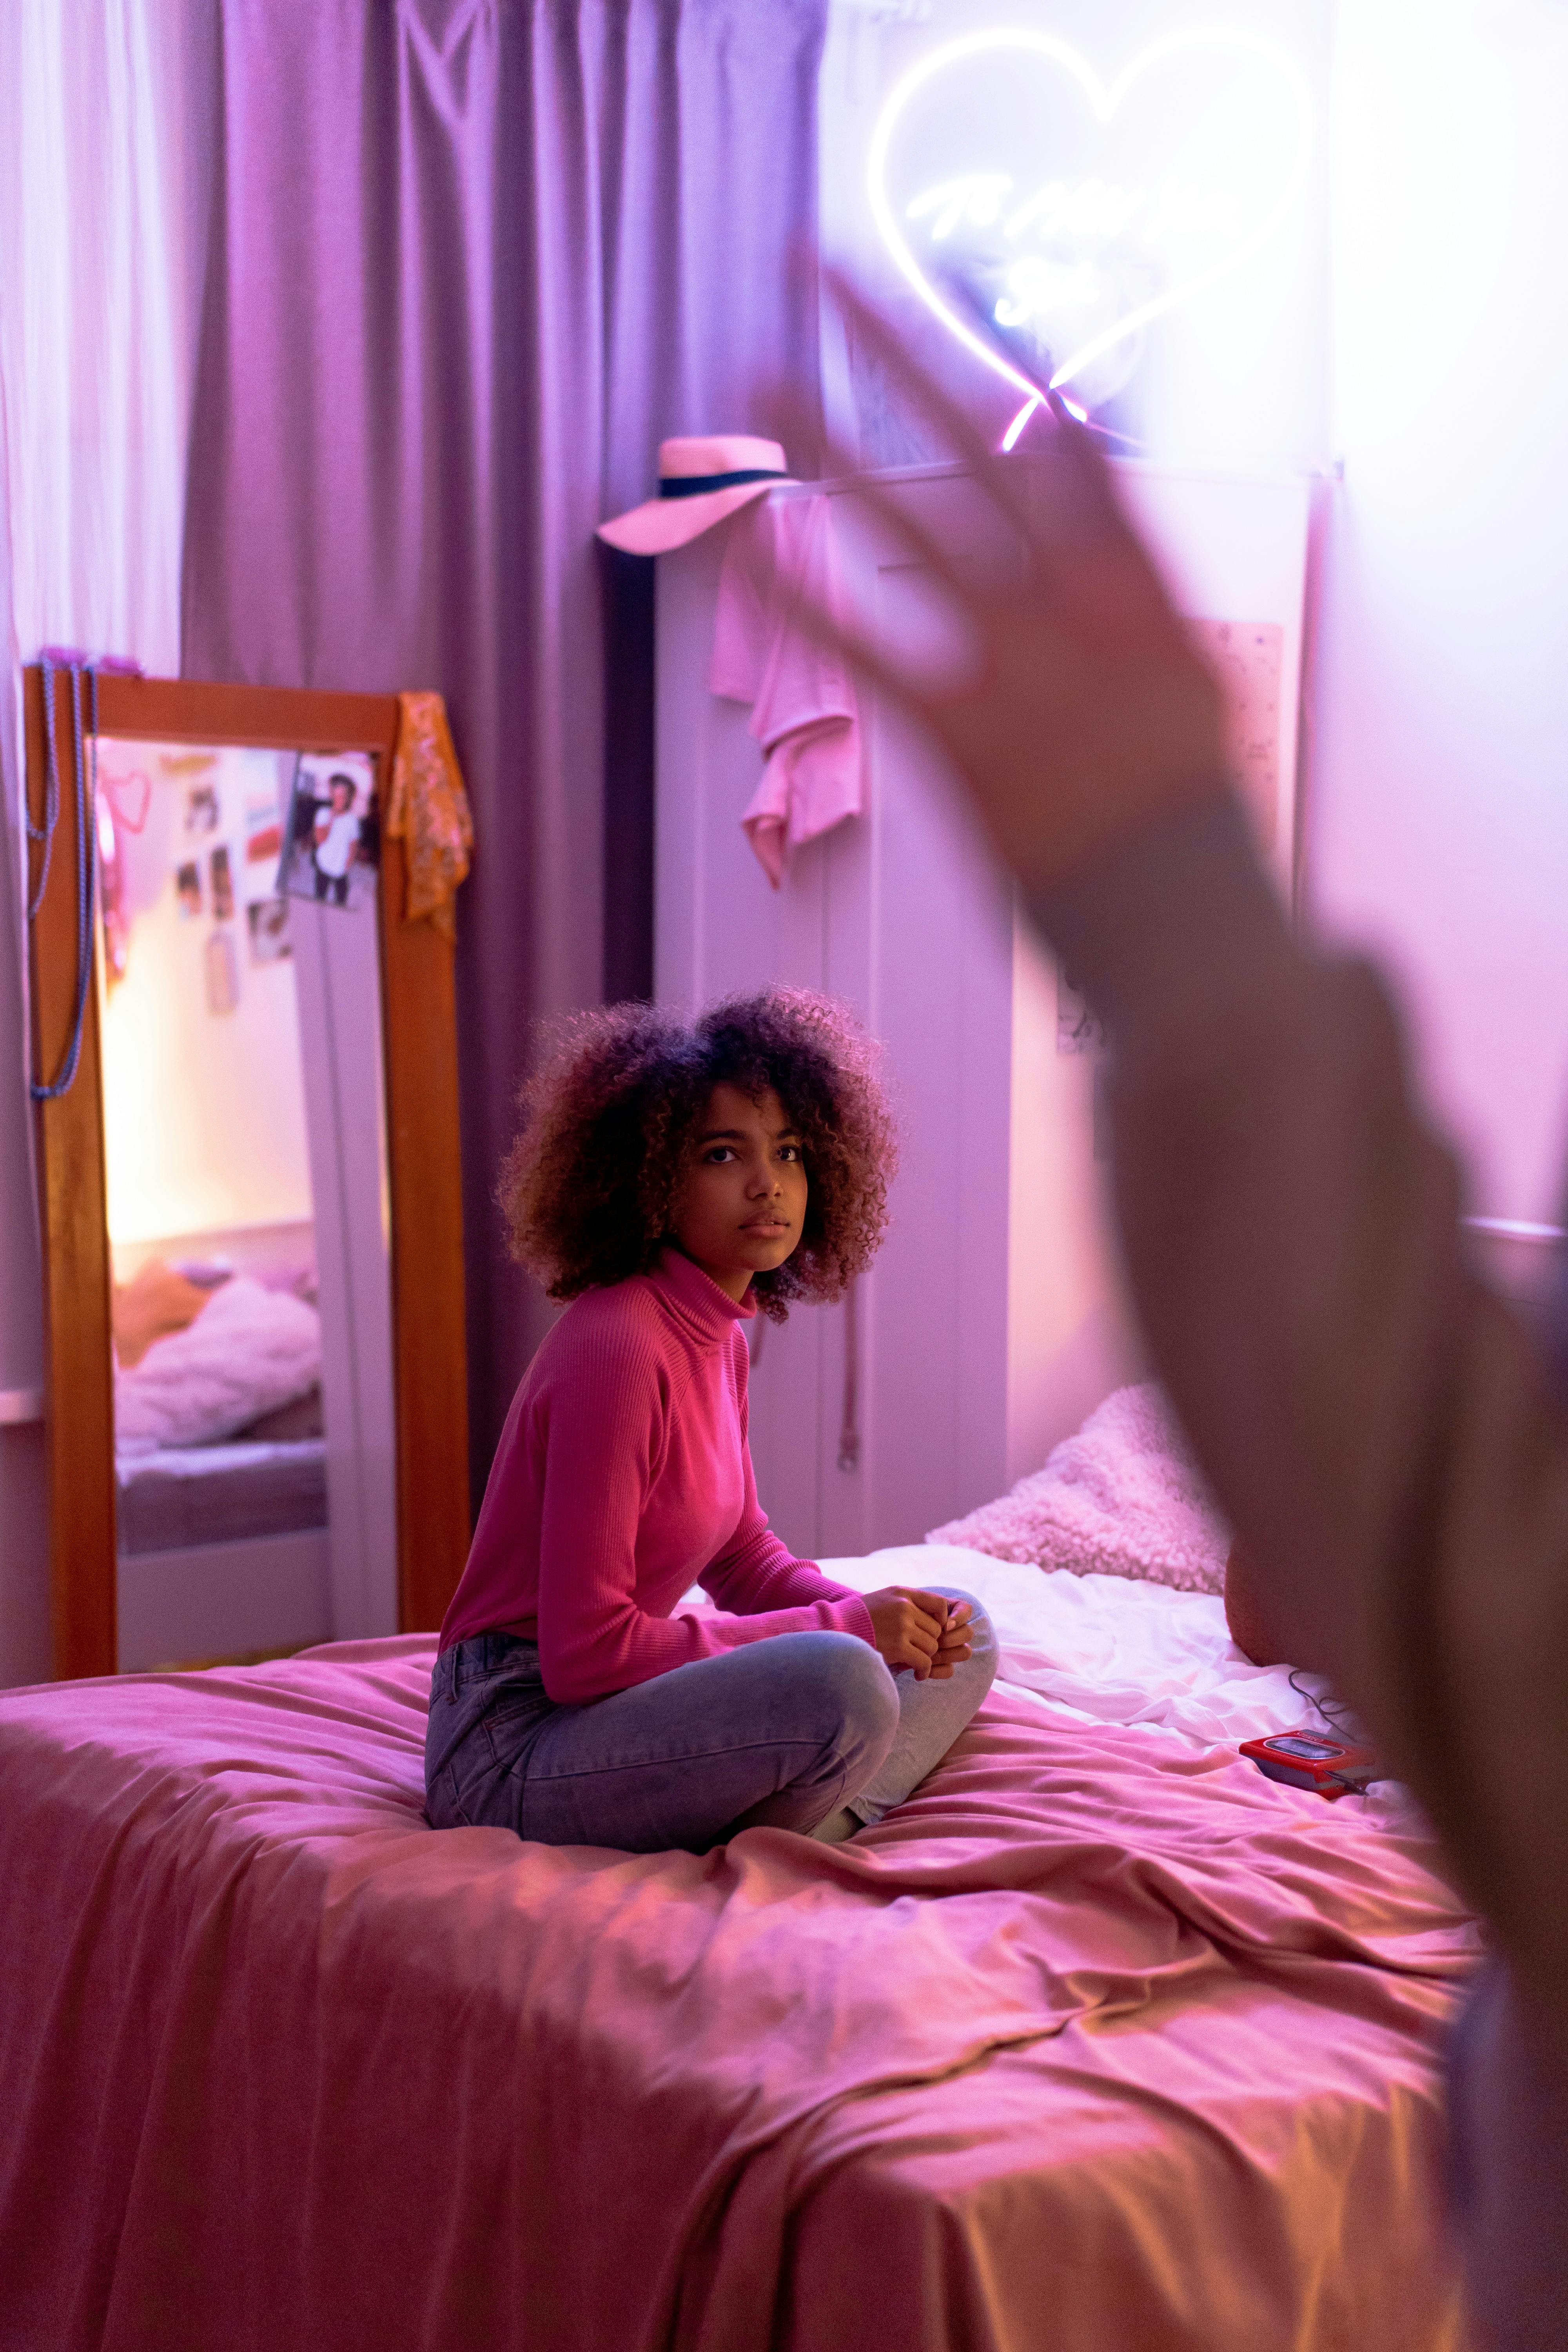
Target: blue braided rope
x,y
46,832
86,861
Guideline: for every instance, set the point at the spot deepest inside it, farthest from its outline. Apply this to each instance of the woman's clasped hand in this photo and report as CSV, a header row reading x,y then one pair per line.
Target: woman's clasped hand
x,y
923,1630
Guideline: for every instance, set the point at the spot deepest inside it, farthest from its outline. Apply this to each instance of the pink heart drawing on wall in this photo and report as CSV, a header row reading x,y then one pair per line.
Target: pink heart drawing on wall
x,y
130,797
1078,209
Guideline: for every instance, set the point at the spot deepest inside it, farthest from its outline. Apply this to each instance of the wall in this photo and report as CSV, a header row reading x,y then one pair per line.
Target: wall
x,y
204,1111
1070,1335
1430,350
1438,764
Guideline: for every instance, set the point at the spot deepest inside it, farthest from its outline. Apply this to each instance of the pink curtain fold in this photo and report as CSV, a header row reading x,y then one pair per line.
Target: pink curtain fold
x,y
470,260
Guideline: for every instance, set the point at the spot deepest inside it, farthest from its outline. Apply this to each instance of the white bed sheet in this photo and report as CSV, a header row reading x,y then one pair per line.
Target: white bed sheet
x,y
213,1461
1105,1649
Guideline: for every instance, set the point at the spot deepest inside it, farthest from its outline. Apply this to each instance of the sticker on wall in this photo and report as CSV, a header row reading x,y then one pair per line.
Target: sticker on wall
x,y
265,847
221,877
331,840
222,974
188,888
267,920
202,810
1076,204
261,819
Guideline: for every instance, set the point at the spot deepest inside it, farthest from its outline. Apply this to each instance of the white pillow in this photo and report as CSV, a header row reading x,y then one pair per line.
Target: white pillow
x,y
1122,1498
249,1351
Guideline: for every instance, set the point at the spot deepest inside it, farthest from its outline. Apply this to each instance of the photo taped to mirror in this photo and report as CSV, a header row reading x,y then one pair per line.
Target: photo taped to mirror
x,y
331,838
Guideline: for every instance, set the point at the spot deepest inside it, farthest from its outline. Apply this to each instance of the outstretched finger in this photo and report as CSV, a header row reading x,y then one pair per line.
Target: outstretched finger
x,y
1071,445
1056,498
967,442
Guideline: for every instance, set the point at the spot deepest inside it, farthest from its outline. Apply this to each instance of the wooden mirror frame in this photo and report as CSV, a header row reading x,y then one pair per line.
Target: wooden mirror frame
x,y
419,1038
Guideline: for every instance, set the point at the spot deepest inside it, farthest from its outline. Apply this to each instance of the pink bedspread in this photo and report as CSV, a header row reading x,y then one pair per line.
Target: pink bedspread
x,y
1099,2043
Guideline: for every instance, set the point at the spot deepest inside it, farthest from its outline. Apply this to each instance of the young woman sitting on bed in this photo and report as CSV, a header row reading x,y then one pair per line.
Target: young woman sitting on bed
x,y
672,1180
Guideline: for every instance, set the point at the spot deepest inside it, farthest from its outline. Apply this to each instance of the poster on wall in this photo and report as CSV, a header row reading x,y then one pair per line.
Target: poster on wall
x,y
331,839
261,827
267,920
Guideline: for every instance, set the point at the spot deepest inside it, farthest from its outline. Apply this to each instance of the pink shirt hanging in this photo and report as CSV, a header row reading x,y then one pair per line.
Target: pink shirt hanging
x,y
803,710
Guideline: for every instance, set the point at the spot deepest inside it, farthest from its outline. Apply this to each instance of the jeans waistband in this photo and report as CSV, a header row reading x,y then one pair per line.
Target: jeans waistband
x,y
478,1656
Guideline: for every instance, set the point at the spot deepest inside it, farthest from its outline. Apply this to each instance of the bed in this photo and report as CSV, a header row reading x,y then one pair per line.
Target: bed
x,y
1103,2041
180,1495
221,1476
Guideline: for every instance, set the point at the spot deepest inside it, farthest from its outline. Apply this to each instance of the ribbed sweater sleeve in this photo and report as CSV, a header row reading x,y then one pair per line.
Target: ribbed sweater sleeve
x,y
1388,1438
606,1434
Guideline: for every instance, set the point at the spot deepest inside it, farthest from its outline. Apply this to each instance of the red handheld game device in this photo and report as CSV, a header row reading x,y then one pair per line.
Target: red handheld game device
x,y
1313,1759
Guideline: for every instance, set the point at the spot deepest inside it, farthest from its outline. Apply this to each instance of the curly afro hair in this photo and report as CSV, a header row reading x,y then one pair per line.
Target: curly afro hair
x,y
590,1184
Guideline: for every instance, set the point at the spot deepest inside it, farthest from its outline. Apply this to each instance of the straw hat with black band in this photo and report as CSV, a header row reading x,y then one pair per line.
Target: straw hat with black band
x,y
699,482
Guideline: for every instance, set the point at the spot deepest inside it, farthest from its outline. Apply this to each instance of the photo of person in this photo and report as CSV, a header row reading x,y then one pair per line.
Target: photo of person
x,y
201,809
267,919
188,888
331,838
336,840
222,879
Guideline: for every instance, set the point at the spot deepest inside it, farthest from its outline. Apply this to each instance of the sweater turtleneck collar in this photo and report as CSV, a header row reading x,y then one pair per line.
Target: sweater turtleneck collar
x,y
696,1299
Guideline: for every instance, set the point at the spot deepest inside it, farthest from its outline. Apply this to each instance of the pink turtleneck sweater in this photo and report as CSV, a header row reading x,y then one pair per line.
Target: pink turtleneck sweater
x,y
624,1476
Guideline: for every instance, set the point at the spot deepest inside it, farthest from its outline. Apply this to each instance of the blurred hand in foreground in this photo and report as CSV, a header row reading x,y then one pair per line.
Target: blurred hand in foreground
x,y
1085,710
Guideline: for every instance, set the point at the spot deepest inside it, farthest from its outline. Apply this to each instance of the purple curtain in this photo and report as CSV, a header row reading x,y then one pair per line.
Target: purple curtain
x,y
471,260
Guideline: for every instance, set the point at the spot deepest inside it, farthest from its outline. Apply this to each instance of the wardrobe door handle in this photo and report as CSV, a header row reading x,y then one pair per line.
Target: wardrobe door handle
x,y
849,1426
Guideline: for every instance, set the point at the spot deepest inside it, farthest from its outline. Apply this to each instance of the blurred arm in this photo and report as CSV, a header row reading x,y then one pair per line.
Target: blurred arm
x,y
1387,1441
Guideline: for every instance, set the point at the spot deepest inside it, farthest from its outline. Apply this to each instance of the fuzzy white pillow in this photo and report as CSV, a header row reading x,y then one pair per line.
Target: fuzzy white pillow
x,y
249,1351
1122,1498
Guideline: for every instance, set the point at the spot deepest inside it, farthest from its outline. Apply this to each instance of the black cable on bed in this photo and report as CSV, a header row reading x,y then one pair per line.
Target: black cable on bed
x,y
1340,1720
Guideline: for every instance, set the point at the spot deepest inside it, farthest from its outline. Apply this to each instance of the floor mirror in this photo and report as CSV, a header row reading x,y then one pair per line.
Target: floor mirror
x,y
249,1187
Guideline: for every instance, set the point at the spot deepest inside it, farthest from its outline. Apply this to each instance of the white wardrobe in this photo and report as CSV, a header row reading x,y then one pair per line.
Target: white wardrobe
x,y
991,1321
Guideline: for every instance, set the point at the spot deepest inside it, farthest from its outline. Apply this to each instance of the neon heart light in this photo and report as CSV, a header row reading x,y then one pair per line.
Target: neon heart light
x,y
1090,260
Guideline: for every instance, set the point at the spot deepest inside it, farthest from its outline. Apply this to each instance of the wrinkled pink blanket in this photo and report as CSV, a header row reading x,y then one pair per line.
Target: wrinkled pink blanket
x,y
1100,2042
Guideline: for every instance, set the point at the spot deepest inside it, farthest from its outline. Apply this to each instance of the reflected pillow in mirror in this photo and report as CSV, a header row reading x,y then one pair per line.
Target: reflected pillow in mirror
x,y
250,1350
154,1303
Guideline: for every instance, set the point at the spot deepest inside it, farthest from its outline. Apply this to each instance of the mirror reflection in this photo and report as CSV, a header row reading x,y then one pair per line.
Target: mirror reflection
x,y
248,1204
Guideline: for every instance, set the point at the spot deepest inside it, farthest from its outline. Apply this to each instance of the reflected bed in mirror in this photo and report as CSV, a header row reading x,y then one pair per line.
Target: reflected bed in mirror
x,y
253,1246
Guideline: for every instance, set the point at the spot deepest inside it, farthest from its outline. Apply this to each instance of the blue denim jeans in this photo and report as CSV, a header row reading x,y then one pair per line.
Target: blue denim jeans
x,y
782,1732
